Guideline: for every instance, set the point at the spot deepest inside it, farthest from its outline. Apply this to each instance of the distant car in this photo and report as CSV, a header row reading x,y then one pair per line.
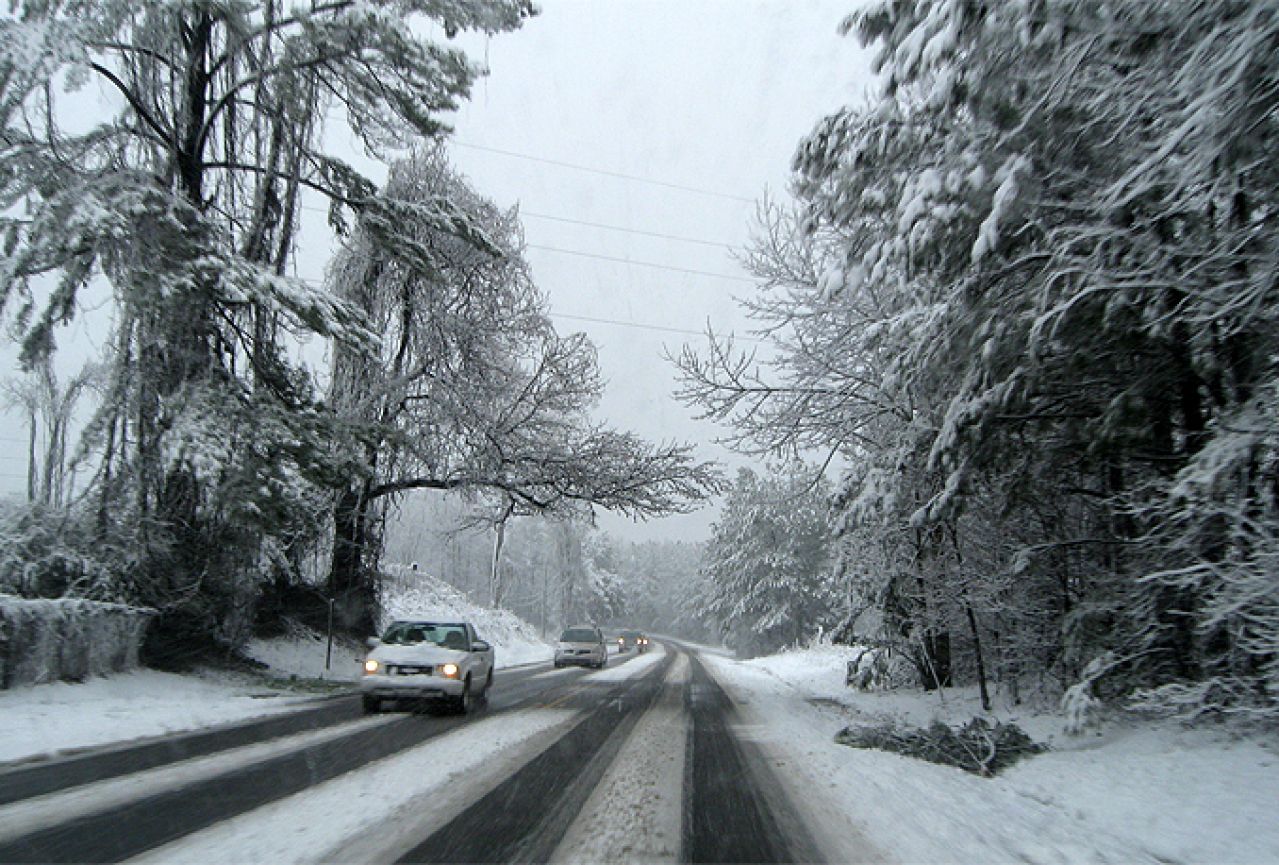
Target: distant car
x,y
438,662
628,640
583,645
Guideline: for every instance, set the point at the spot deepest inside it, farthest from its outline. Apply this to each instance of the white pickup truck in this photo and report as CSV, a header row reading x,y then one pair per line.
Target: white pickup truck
x,y
427,660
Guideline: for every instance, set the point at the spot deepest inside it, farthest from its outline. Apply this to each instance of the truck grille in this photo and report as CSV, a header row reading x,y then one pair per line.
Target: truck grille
x,y
407,670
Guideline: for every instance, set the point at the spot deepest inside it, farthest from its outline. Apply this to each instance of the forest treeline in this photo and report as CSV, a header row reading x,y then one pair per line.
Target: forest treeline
x,y
1027,300
1021,303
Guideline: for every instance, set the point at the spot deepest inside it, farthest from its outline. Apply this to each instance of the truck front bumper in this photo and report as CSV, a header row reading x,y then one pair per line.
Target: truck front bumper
x,y
415,687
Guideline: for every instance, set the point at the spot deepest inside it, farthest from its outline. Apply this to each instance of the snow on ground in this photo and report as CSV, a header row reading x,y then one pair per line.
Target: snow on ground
x,y
634,813
1152,793
52,809
635,667
304,655
42,720
378,812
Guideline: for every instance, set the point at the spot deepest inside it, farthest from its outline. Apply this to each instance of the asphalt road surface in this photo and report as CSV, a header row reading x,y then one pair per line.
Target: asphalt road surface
x,y
730,807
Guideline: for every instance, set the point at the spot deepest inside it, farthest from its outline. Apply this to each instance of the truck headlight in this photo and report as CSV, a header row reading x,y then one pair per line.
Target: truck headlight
x,y
371,666
449,670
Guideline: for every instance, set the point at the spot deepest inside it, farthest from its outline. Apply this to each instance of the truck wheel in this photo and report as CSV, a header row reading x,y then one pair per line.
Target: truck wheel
x,y
464,702
372,705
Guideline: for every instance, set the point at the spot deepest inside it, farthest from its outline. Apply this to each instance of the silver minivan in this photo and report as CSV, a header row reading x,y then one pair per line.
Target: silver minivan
x,y
583,645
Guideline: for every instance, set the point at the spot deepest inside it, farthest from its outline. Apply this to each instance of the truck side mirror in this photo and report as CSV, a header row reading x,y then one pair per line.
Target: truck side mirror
x,y
372,642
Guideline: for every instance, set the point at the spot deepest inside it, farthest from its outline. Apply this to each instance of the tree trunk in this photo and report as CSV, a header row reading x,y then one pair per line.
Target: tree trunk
x,y
981,665
352,585
935,672
31,457
496,589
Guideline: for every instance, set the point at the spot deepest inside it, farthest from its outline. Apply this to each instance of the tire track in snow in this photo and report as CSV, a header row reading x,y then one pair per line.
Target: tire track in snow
x,y
735,810
635,812
136,822
525,817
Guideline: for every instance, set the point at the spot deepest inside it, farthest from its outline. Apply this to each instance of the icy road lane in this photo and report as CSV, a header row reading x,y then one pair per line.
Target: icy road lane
x,y
636,763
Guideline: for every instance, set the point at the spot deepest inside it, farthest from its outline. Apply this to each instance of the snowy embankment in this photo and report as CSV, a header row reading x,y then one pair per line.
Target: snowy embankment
x,y
412,593
407,594
1152,792
49,719
44,720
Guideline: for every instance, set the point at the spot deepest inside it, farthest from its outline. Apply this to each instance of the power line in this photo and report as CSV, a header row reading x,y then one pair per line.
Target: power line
x,y
642,326
605,173
715,244
638,231
638,263
579,253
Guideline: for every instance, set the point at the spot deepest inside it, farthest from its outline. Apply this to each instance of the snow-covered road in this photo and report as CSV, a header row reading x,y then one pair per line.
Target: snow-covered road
x,y
677,755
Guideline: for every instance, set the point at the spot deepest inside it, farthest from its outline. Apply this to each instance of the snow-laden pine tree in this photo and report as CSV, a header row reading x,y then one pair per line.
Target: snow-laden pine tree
x,y
1033,303
767,566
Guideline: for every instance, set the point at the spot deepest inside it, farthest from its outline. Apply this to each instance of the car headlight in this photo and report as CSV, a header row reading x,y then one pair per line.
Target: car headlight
x,y
371,666
449,670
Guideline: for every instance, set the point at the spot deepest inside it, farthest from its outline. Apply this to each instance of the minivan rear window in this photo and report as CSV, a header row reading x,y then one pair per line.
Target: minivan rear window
x,y
579,635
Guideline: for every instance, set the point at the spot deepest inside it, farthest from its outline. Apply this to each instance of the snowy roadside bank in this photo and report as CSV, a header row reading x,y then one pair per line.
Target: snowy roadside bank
x,y
45,720
1132,794
410,594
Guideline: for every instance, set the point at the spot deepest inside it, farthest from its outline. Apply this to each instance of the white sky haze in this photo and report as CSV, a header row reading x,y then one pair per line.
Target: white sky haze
x,y
709,95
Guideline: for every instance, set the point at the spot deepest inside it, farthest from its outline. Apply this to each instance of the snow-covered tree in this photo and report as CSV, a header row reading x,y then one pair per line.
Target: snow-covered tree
x,y
473,389
1029,295
49,407
767,565
184,194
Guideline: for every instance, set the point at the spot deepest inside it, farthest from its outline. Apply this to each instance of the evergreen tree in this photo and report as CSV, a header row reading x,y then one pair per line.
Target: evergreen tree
x,y
767,564
1031,301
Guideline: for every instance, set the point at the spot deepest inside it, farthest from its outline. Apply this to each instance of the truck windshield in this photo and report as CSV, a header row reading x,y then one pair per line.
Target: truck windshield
x,y
407,633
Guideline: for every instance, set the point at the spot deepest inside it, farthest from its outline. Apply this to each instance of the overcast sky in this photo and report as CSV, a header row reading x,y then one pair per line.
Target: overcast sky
x,y
707,99
609,122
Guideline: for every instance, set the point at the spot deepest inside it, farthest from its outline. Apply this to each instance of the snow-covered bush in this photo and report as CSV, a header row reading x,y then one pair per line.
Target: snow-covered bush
x,y
1080,703
46,640
48,552
876,669
976,747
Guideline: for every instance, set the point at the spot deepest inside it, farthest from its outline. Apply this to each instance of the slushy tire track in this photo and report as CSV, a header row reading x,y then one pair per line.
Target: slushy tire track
x,y
122,832
734,809
26,781
524,818
37,779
